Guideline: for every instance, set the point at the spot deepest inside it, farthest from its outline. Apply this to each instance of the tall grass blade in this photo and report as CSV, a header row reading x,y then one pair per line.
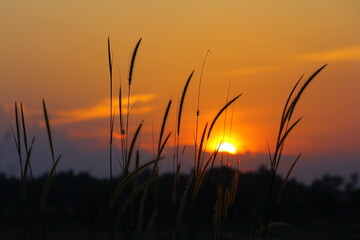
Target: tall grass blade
x,y
198,159
27,166
296,99
283,119
182,102
287,176
163,124
131,197
47,183
132,148
220,112
48,131
126,180
17,139
151,224
23,127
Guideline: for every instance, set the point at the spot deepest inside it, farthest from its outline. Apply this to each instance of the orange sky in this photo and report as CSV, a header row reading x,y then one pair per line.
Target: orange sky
x,y
57,50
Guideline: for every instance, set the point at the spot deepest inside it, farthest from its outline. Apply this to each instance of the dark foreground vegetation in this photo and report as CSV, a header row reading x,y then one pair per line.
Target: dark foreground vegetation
x,y
210,203
78,208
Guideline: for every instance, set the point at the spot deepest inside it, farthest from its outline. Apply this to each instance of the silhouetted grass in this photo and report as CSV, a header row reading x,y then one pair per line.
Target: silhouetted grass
x,y
134,210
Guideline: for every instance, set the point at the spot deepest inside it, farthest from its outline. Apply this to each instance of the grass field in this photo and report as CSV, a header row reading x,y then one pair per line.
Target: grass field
x,y
131,204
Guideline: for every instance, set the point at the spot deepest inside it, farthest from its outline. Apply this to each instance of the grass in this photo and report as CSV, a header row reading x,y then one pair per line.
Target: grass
x,y
130,198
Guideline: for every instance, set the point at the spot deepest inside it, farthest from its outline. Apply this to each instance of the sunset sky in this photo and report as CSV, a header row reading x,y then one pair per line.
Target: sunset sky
x,y
57,50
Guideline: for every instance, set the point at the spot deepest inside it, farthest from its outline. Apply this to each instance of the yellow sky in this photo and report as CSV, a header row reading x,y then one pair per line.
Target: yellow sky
x,y
57,50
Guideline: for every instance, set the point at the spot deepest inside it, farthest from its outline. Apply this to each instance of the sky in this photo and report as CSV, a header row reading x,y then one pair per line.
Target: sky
x,y
57,51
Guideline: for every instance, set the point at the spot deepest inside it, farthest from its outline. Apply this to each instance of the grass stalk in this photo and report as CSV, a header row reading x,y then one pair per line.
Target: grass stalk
x,y
284,131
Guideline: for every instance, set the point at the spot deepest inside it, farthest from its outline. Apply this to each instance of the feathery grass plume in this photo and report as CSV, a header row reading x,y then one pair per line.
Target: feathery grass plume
x,y
128,97
220,112
27,149
218,212
225,198
111,107
27,166
133,61
163,124
182,205
48,129
17,139
176,163
234,187
182,102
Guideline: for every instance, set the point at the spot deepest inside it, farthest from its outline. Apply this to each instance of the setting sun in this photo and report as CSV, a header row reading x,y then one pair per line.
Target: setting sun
x,y
226,147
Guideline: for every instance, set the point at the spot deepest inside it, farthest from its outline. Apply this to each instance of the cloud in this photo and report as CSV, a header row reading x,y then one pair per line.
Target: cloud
x,y
343,54
252,70
101,109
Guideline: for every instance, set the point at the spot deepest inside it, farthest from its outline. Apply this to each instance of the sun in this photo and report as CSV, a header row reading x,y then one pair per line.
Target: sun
x,y
226,147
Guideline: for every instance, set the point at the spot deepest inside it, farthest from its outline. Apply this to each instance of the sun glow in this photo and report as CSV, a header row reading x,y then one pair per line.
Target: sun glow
x,y
226,147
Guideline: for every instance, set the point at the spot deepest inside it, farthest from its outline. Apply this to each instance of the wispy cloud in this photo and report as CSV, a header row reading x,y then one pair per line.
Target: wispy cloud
x,y
252,70
139,104
342,54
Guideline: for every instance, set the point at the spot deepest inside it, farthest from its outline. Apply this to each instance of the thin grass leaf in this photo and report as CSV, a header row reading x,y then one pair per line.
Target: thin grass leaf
x,y
163,124
17,139
155,168
197,161
48,131
131,197
47,183
126,180
270,226
132,147
27,166
296,99
133,61
141,212
219,113
151,224
282,140
182,102
283,119
288,175
164,143
200,178
23,127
